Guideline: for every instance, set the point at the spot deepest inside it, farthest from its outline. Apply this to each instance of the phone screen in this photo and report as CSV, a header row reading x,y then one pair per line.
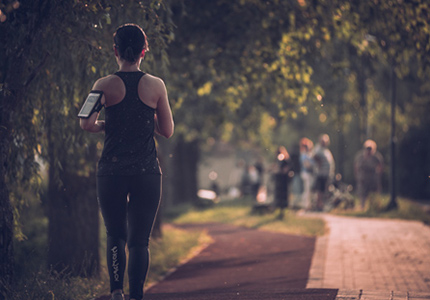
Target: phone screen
x,y
89,104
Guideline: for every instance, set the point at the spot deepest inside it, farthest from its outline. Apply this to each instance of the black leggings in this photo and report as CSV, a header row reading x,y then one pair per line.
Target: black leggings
x,y
129,205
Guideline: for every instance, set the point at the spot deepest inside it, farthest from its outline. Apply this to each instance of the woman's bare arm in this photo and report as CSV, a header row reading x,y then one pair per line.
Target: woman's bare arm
x,y
92,124
163,119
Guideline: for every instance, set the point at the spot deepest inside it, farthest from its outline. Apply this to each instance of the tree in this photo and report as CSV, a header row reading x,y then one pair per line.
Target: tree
x,y
352,47
392,36
236,68
405,36
17,44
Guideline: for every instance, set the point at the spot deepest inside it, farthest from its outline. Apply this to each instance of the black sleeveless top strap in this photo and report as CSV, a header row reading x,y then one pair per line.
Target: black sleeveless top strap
x,y
129,147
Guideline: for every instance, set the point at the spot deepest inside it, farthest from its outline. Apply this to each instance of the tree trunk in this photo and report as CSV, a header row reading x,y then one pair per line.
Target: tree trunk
x,y
6,214
362,89
166,158
73,225
340,137
10,99
165,149
73,211
393,191
6,226
340,164
184,171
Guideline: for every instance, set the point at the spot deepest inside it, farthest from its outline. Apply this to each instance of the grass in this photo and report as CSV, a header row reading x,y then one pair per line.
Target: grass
x,y
45,285
239,213
376,208
34,281
175,247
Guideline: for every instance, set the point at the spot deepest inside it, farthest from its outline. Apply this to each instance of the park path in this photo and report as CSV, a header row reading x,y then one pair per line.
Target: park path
x,y
373,258
358,259
244,263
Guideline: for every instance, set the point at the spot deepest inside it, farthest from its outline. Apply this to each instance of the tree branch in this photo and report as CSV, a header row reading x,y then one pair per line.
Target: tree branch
x,y
36,70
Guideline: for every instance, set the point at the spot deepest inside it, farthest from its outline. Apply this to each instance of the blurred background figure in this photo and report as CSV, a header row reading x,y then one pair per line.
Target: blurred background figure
x,y
245,181
259,165
294,175
306,171
213,176
368,165
281,180
324,169
253,181
235,180
260,186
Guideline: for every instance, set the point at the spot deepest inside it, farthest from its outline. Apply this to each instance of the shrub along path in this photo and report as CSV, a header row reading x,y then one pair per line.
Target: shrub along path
x,y
243,263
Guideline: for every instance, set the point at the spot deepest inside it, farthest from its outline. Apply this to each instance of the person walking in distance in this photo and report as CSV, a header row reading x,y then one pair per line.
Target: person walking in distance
x,y
282,179
325,169
306,171
368,166
128,174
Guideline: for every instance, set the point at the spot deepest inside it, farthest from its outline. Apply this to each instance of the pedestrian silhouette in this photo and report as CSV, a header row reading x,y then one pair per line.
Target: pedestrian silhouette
x,y
368,166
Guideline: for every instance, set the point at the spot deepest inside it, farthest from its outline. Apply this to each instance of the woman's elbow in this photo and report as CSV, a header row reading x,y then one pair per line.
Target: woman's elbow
x,y
167,132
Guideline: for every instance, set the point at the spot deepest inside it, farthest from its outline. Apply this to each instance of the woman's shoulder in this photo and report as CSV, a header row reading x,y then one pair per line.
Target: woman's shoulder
x,y
107,81
151,79
112,87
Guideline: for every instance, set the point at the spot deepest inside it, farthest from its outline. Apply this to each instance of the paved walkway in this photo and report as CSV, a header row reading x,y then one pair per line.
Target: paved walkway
x,y
245,264
373,259
358,259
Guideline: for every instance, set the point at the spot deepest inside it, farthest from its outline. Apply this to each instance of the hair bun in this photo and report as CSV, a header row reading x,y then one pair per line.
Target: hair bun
x,y
129,54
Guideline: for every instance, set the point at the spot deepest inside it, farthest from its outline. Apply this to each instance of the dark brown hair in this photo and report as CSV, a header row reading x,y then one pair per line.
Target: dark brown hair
x,y
130,40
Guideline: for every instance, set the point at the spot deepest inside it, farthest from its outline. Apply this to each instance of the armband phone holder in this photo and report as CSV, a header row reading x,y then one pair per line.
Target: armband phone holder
x,y
92,104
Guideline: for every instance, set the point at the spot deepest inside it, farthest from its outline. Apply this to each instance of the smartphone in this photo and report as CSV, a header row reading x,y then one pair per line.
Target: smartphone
x,y
92,104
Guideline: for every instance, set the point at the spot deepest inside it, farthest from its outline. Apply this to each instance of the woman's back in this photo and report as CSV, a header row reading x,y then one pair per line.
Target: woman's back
x,y
129,147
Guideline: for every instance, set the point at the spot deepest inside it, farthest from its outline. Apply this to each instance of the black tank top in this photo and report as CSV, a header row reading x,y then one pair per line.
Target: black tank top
x,y
129,147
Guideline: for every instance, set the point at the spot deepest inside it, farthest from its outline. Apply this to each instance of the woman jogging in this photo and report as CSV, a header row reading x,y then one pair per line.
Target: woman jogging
x,y
128,174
